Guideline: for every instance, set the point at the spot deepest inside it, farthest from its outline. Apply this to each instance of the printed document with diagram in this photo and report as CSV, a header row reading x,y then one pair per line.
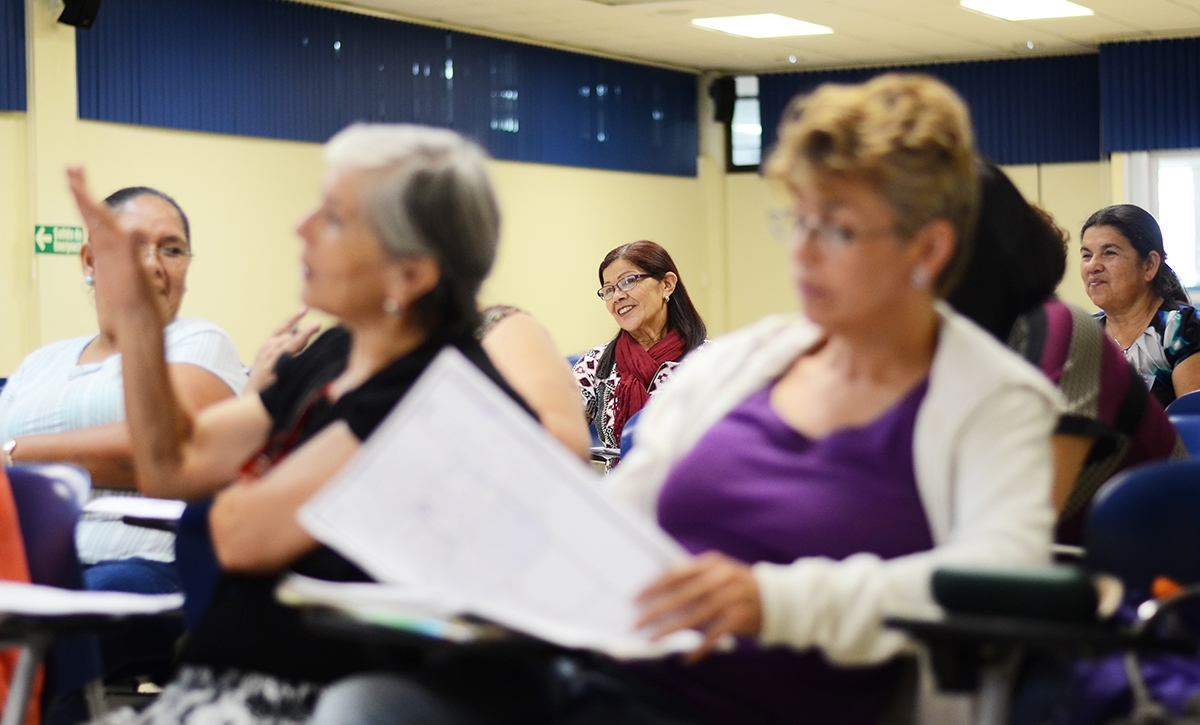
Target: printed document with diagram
x,y
461,496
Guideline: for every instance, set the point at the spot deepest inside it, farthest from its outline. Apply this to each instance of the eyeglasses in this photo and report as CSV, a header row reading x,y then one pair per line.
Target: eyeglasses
x,y
787,226
624,284
171,254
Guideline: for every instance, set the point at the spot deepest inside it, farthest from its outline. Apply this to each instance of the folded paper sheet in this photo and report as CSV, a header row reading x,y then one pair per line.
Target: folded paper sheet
x,y
462,496
159,509
397,606
40,601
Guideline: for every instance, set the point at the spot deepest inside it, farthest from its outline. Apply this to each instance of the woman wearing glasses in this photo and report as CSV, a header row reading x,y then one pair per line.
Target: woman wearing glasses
x,y
818,467
644,293
64,403
821,467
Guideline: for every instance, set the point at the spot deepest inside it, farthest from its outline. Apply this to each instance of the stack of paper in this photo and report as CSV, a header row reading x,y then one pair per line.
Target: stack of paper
x,y
392,605
462,496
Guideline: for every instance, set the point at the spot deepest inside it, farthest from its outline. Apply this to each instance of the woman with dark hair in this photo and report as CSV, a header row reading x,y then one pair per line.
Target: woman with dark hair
x,y
64,403
1111,422
644,293
1145,308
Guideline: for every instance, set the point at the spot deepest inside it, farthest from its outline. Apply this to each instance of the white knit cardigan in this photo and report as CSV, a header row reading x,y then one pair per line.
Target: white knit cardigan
x,y
983,467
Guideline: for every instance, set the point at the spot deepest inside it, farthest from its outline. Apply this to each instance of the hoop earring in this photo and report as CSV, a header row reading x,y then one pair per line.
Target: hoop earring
x,y
391,306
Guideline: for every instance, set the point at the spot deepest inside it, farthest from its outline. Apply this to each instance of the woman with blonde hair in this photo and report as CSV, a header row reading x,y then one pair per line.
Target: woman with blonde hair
x,y
819,467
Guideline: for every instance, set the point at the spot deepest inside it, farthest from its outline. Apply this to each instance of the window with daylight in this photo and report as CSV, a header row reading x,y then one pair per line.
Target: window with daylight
x,y
745,133
1166,184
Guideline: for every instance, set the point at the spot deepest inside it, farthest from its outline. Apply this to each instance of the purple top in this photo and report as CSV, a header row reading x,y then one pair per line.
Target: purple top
x,y
757,490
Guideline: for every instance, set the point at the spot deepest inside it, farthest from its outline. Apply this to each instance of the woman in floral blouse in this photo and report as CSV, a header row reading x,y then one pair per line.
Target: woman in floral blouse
x,y
1145,309
641,287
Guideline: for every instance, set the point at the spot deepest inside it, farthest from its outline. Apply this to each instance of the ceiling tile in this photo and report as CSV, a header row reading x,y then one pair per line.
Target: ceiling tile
x,y
866,31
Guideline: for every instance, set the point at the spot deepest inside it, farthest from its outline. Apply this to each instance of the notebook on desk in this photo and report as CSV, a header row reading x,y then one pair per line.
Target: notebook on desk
x,y
393,606
461,496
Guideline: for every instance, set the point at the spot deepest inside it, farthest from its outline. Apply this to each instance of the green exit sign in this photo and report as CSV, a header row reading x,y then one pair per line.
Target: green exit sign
x,y
57,240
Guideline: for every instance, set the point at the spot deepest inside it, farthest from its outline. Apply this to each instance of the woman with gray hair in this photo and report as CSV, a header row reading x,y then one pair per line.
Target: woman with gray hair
x,y
405,234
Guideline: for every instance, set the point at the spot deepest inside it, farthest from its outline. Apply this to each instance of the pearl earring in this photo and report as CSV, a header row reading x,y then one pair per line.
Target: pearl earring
x,y
919,278
391,306
89,280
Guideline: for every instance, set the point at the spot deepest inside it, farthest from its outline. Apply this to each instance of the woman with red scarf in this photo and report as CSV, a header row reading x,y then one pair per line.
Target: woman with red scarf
x,y
640,284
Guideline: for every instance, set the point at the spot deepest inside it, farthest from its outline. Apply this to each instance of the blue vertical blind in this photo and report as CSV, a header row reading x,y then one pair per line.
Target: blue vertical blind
x,y
1150,95
1025,111
12,55
284,70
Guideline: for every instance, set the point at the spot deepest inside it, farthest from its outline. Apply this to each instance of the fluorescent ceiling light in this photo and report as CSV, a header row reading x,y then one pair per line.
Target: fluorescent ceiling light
x,y
767,25
1027,9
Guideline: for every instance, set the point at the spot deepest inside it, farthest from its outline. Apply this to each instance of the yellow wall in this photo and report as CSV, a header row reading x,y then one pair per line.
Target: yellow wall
x,y
1070,192
560,222
244,196
14,267
759,269
758,266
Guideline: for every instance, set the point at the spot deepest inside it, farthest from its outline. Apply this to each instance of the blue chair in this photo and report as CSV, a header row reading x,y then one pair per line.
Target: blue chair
x,y
1189,432
1186,404
49,498
199,570
1143,524
628,433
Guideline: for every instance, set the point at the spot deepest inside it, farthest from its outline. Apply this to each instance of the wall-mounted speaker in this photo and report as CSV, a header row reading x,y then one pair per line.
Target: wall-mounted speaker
x,y
80,13
723,91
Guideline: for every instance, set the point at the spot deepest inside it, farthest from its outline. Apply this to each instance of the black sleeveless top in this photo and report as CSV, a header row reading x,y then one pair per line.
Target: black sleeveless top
x,y
244,627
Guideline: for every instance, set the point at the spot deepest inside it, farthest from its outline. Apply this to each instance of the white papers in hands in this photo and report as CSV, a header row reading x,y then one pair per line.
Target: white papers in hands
x,y
36,600
460,493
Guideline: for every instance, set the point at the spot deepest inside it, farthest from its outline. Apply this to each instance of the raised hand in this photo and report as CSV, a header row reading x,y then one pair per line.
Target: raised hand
x,y
119,277
289,337
711,593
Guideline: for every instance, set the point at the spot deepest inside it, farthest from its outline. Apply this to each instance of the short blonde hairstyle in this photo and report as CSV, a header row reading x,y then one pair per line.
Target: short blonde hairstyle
x,y
909,135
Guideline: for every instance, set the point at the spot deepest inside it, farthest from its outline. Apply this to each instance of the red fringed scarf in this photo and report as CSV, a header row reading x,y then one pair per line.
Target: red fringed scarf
x,y
637,368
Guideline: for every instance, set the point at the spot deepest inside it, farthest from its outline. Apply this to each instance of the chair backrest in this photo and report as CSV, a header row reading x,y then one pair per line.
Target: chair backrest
x,y
49,499
628,433
1186,404
596,442
1189,432
1145,523
199,570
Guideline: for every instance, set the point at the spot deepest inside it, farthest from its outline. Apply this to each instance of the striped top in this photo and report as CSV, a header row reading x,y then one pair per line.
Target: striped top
x,y
52,393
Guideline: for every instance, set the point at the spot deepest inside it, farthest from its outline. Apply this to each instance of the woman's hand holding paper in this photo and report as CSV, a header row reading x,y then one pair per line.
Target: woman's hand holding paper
x,y
712,593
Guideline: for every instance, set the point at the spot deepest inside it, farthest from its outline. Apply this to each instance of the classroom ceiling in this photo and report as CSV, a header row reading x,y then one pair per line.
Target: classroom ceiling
x,y
865,31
